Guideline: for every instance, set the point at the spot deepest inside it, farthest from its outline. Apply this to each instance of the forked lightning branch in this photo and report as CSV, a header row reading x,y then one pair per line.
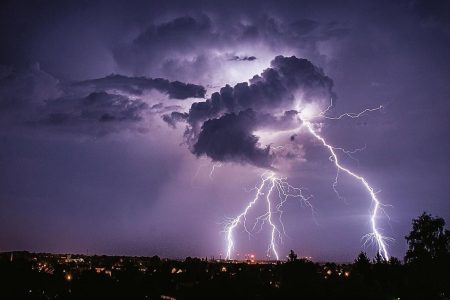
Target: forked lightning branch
x,y
275,191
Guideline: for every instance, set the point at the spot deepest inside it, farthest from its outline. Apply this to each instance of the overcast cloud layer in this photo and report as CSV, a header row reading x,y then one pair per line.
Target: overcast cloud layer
x,y
112,114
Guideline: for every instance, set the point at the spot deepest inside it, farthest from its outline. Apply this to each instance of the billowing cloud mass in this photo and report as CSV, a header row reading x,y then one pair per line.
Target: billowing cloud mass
x,y
98,113
211,50
223,126
230,138
31,97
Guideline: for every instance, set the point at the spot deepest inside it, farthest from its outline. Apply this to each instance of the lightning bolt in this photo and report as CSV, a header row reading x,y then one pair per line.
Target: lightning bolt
x,y
272,245
375,235
270,183
213,168
349,115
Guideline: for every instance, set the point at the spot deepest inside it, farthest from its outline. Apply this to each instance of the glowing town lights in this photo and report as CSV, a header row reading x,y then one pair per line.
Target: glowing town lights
x,y
252,258
69,277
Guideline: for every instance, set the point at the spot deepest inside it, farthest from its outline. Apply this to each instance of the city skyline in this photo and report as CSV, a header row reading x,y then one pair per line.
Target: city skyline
x,y
146,128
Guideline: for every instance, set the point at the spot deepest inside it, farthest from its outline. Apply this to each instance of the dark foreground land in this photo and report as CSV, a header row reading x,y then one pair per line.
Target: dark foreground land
x,y
26,275
425,274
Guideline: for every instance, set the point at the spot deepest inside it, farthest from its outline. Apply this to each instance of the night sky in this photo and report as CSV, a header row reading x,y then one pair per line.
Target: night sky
x,y
113,114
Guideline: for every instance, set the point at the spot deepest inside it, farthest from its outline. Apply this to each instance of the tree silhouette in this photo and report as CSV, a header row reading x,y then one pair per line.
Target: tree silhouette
x,y
394,261
362,264
378,259
292,256
362,259
428,240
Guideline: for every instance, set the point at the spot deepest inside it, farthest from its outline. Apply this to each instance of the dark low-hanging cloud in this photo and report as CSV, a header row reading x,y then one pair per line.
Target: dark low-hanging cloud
x,y
174,117
222,127
31,97
243,58
98,114
230,138
138,85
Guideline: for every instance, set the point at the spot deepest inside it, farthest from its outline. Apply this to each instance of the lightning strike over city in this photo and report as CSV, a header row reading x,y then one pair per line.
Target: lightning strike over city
x,y
193,149
269,183
375,235
280,183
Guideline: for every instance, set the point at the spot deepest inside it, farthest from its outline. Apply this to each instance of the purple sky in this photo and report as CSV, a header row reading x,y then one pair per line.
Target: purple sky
x,y
120,164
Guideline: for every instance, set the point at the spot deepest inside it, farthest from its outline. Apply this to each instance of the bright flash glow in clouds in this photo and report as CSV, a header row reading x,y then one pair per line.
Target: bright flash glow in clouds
x,y
230,67
308,111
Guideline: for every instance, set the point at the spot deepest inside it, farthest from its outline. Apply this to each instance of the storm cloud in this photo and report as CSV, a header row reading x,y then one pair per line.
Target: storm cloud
x,y
230,138
202,47
32,97
97,114
138,85
243,58
222,127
